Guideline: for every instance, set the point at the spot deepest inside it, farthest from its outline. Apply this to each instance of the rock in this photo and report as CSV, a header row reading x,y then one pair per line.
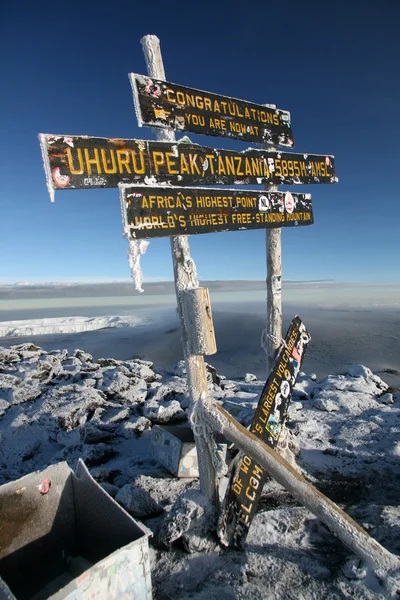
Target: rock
x,y
386,399
325,405
175,389
138,502
115,415
166,412
113,381
212,376
46,369
359,371
83,356
98,454
90,434
193,519
111,489
69,438
180,369
8,381
26,391
72,365
3,406
250,377
136,393
109,362
134,428
8,356
141,370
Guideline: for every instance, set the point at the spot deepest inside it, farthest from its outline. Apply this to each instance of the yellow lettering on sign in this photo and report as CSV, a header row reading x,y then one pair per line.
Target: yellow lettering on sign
x,y
123,161
104,161
158,160
72,170
221,166
92,161
171,163
136,168
184,165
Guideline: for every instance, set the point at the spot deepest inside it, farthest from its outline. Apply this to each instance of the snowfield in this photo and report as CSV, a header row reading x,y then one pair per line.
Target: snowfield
x,y
344,431
63,325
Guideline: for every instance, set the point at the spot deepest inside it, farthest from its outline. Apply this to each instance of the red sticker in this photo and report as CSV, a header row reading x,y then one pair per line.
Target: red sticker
x,y
44,486
60,180
289,202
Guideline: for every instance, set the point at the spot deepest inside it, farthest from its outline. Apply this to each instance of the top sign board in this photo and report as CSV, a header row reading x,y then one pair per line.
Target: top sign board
x,y
163,104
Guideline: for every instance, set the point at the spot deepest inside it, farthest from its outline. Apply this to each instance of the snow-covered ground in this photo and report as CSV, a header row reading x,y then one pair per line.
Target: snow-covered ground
x,y
63,325
61,405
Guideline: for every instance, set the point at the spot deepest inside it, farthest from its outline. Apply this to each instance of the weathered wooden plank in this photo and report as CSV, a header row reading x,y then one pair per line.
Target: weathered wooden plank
x,y
89,162
165,211
162,104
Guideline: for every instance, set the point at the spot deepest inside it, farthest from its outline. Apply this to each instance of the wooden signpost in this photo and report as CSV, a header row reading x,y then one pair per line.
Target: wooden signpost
x,y
90,162
140,168
159,103
80,162
165,211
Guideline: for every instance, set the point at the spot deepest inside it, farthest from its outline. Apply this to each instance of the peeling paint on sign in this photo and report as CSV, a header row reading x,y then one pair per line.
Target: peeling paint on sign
x,y
168,105
88,162
167,211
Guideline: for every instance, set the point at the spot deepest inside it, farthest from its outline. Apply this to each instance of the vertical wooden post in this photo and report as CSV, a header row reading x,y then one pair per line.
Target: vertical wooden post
x,y
272,334
185,279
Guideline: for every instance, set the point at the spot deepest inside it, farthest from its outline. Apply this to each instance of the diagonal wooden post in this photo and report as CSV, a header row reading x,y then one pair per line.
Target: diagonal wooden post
x,y
384,564
185,279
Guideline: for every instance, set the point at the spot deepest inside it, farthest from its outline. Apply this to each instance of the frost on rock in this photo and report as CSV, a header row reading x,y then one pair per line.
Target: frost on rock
x,y
138,502
135,249
192,519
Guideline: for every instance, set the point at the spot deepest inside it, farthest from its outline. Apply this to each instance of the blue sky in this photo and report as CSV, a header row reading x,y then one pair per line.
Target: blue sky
x,y
333,65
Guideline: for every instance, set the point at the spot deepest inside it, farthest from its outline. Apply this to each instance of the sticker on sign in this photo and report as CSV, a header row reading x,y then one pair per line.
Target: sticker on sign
x,y
168,211
163,104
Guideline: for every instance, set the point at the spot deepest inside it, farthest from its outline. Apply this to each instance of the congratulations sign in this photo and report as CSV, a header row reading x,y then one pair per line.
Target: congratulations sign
x,y
162,104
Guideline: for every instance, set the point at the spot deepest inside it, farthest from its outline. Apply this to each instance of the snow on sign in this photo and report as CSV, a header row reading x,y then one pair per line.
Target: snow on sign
x,y
167,211
163,104
90,162
248,478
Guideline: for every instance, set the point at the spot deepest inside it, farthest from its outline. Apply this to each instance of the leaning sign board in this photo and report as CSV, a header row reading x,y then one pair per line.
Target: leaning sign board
x,y
90,162
163,104
248,478
167,211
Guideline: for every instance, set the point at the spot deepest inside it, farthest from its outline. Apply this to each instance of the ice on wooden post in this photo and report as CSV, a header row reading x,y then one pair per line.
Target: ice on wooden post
x,y
272,335
185,278
197,310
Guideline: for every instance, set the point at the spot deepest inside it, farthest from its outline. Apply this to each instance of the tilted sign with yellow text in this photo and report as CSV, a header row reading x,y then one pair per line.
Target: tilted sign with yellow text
x,y
166,211
90,162
163,104
247,478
